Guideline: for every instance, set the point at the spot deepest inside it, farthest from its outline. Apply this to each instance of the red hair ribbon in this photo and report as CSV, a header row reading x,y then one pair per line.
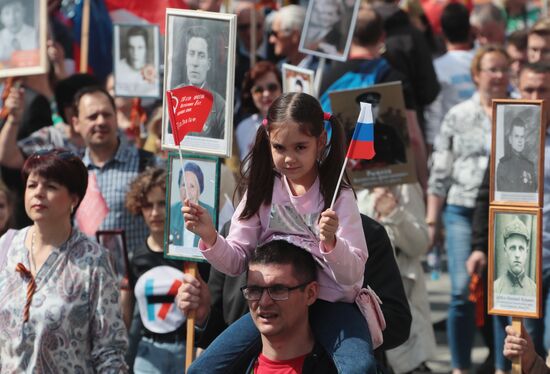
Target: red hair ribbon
x,y
327,116
264,122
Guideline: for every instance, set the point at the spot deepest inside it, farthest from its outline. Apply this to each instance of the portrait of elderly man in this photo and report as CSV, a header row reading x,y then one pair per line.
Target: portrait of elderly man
x,y
516,173
135,72
198,63
15,33
516,251
194,186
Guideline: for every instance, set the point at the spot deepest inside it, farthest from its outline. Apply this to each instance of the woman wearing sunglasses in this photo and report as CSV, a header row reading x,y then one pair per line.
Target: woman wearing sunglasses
x,y
262,85
58,296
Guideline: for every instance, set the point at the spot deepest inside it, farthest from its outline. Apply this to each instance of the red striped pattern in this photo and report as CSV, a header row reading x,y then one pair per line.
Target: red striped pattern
x,y
31,288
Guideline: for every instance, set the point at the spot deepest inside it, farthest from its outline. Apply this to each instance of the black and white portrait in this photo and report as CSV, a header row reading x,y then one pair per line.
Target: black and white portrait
x,y
517,145
197,180
297,79
22,37
329,27
200,49
115,242
136,56
514,247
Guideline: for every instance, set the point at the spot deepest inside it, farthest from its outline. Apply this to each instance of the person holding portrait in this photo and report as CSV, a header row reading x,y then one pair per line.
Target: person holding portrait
x,y
198,62
194,186
516,173
58,292
516,251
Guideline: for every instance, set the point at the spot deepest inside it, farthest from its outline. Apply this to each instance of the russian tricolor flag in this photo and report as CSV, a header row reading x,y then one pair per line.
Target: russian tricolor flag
x,y
362,142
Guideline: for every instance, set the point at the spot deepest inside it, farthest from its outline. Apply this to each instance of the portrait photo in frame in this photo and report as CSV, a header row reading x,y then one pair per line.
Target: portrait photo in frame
x,y
202,175
517,152
394,159
23,29
514,280
136,53
297,79
200,51
115,242
328,28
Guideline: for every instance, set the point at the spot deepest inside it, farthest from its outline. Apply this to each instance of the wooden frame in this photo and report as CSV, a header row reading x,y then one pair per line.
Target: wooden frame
x,y
118,251
31,56
215,73
293,74
331,41
501,218
175,244
517,166
130,82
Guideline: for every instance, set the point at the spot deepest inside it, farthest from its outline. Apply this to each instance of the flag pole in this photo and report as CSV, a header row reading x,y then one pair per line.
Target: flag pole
x,y
338,184
85,36
183,174
190,338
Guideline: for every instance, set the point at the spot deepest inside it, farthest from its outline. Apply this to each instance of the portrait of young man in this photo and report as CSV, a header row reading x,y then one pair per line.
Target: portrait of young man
x,y
17,32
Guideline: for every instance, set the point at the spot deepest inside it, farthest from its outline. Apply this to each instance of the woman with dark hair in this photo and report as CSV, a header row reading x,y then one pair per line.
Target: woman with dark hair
x,y
262,85
58,294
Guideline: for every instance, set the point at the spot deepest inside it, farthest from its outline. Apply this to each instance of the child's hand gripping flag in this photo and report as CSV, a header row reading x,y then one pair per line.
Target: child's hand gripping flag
x,y
362,142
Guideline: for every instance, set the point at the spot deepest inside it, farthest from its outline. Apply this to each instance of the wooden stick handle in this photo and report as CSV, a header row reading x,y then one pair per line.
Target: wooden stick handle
x,y
85,37
516,362
190,341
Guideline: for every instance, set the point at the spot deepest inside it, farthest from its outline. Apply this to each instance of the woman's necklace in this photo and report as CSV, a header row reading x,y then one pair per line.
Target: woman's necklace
x,y
31,253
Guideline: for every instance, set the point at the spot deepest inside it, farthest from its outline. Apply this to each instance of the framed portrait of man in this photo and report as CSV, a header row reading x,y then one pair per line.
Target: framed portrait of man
x,y
517,154
23,29
198,180
136,60
297,79
328,28
393,162
200,51
514,281
115,242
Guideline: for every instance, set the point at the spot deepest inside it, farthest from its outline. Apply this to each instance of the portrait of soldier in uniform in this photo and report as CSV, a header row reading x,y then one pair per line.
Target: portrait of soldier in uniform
x,y
515,172
516,249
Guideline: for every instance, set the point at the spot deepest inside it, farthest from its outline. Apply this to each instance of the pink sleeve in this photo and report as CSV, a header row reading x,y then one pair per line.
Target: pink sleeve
x,y
230,255
347,259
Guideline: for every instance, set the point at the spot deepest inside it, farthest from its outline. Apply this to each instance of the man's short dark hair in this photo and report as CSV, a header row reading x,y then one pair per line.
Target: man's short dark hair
x,y
455,23
89,91
282,252
66,89
518,39
540,67
138,31
199,32
369,27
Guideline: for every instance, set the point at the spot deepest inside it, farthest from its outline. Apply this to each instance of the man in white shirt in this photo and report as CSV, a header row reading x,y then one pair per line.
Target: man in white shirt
x,y
452,68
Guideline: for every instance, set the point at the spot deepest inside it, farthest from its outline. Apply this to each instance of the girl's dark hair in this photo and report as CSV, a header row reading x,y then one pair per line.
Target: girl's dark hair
x,y
9,201
60,166
258,174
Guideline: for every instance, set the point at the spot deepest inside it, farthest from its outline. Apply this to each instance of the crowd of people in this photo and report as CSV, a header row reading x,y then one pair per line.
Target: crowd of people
x,y
292,283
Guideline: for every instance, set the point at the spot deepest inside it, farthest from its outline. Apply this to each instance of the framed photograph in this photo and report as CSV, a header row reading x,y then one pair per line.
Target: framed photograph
x,y
200,51
115,242
517,154
296,79
328,28
136,60
198,177
394,160
23,28
514,281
